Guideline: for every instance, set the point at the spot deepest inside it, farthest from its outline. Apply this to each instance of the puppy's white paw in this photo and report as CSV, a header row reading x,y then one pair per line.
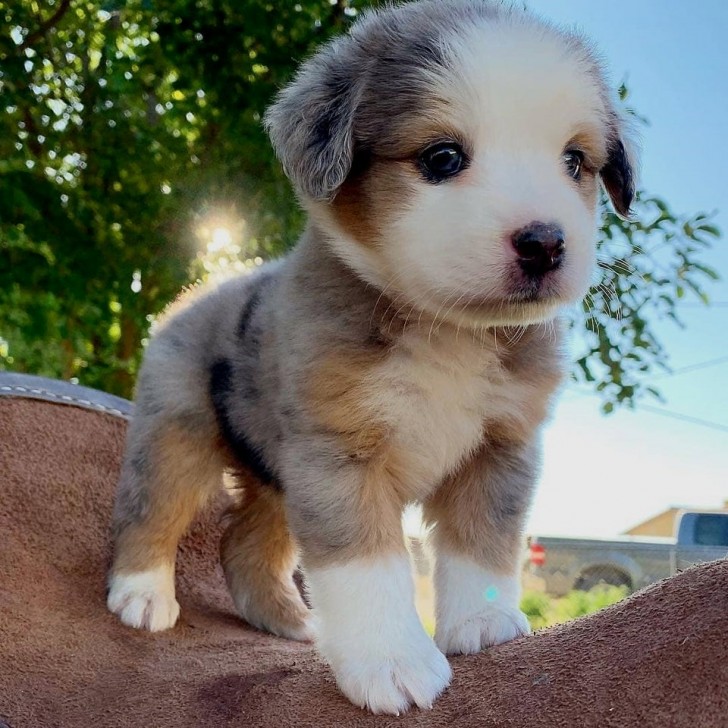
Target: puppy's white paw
x,y
476,607
305,632
144,599
391,683
371,636
493,625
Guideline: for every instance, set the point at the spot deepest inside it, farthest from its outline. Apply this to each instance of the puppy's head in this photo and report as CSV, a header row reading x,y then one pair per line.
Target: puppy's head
x,y
451,150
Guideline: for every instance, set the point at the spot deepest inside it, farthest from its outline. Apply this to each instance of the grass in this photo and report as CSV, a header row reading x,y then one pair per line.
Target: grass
x,y
545,611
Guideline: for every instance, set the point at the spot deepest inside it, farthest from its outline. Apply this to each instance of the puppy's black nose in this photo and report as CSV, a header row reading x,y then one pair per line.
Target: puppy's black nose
x,y
540,247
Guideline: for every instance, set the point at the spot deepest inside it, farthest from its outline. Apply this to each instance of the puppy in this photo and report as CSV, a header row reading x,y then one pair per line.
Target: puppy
x,y
449,155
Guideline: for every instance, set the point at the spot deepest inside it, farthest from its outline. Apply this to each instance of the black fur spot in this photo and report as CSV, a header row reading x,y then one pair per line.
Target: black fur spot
x,y
247,313
221,389
139,463
176,343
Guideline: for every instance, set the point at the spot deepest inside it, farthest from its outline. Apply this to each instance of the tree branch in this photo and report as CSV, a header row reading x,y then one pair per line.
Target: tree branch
x,y
47,25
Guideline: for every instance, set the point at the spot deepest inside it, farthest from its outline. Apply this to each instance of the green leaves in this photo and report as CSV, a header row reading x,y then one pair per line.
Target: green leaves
x,y
647,266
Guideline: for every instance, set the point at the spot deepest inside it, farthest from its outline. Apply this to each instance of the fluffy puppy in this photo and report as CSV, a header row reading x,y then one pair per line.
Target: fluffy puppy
x,y
449,156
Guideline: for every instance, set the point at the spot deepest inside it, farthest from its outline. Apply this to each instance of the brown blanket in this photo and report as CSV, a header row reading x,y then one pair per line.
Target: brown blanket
x,y
659,659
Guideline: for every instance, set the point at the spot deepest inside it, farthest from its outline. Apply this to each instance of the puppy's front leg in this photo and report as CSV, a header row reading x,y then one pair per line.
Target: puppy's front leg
x,y
478,514
361,588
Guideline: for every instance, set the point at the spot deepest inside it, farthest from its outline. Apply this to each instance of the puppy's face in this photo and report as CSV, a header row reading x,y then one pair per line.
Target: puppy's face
x,y
452,151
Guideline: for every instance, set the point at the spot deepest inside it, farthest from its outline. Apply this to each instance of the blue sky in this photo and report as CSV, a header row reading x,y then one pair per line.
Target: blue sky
x,y
604,474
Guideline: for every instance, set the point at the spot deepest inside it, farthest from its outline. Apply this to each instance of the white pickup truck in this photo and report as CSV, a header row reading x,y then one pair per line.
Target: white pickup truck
x,y
559,565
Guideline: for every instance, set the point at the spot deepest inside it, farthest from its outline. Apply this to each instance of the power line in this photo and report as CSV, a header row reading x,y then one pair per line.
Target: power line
x,y
693,367
703,306
718,426
685,418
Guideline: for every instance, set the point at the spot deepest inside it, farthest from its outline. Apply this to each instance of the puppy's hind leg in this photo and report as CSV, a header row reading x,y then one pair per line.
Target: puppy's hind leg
x,y
169,471
259,557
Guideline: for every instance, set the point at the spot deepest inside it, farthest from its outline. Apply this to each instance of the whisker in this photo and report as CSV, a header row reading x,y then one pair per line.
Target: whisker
x,y
434,321
462,295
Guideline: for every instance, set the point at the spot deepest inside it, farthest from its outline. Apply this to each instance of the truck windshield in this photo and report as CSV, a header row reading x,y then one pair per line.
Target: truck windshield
x,y
711,529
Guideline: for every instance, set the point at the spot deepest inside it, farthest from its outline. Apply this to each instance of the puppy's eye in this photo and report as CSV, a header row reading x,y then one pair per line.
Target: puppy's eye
x,y
574,161
442,160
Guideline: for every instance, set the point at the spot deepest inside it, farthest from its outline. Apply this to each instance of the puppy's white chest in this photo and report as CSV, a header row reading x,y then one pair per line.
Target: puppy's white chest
x,y
439,398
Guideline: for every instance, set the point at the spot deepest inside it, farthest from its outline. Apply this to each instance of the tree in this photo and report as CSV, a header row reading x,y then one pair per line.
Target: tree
x,y
132,161
647,265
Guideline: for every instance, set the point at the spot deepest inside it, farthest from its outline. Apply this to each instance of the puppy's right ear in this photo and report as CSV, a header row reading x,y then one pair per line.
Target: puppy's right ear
x,y
311,123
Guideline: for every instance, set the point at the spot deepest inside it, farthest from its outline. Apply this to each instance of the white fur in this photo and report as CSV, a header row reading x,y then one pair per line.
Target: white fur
x,y
475,607
371,636
144,599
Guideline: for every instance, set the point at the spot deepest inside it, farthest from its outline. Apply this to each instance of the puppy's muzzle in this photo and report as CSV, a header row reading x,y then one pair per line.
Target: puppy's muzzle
x,y
540,248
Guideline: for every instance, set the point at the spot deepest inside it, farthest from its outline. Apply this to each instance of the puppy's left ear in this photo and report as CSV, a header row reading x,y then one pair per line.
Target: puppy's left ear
x,y
311,122
620,172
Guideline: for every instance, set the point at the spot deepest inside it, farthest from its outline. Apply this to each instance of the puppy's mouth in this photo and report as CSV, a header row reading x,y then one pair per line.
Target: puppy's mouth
x,y
527,299
525,287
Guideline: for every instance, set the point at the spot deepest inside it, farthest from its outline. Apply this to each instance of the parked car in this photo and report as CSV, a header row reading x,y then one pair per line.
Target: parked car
x,y
559,565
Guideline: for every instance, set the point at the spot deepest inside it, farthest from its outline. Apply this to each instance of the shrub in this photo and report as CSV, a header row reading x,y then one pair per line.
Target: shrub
x,y
544,611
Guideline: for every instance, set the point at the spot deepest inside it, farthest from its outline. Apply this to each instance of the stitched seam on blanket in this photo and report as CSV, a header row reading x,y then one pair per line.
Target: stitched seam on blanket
x,y
62,398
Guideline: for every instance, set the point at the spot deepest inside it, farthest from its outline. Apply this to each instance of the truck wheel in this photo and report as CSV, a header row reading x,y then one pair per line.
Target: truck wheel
x,y
607,576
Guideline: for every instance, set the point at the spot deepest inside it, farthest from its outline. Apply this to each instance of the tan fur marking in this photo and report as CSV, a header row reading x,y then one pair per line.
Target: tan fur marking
x,y
352,209
367,203
588,188
591,140
364,509
412,133
184,472
259,557
338,393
